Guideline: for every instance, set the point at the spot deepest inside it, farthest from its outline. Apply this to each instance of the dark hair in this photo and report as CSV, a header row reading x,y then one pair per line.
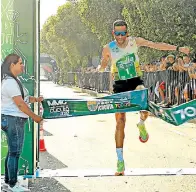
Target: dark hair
x,y
186,56
179,57
163,57
119,23
5,69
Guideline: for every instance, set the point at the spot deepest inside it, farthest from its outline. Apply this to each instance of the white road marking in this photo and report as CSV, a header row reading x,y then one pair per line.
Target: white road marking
x,y
184,135
66,172
179,133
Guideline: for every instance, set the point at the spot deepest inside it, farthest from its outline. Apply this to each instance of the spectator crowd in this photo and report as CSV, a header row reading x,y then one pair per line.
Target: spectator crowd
x,y
172,80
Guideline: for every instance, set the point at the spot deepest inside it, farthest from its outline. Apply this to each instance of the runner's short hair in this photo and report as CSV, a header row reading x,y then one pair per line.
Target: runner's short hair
x,y
119,23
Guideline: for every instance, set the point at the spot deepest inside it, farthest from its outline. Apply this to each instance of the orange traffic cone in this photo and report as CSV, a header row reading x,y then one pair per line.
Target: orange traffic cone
x,y
42,147
41,140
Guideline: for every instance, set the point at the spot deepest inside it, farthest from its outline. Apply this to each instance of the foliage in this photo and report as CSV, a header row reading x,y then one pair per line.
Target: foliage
x,y
80,29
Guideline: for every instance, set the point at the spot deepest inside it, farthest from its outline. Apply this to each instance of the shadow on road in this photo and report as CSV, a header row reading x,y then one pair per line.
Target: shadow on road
x,y
46,133
47,185
47,161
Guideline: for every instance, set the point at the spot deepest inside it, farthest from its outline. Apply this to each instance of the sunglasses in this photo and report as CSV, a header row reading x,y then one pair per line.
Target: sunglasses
x,y
118,33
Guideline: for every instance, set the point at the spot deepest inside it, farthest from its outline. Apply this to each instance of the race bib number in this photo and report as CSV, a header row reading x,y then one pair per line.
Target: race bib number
x,y
126,67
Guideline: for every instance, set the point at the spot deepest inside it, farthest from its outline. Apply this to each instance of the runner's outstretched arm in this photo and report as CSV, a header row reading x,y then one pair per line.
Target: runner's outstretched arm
x,y
104,59
161,46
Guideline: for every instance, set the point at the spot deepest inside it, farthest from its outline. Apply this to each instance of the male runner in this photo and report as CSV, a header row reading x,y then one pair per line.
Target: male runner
x,y
126,74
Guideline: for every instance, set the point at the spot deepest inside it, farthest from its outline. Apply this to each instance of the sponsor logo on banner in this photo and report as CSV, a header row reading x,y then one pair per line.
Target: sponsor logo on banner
x,y
100,105
92,105
159,112
56,102
123,105
188,112
105,105
59,106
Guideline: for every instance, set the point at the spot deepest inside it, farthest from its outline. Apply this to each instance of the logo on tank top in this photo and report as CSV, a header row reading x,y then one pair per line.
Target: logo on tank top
x,y
115,50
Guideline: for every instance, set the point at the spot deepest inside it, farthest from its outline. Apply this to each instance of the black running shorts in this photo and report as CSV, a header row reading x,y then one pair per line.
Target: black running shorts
x,y
127,85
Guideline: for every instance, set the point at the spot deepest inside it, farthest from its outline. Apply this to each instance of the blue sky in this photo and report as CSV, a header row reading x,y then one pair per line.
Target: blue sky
x,y
48,8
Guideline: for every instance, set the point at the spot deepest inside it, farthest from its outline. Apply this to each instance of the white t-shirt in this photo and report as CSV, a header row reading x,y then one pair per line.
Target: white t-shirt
x,y
10,89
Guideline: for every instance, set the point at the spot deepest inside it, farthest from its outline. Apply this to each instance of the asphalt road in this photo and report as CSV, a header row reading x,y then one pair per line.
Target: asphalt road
x,y
88,142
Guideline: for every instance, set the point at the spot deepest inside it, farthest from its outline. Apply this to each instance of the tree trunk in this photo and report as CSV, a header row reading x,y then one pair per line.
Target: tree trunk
x,y
90,61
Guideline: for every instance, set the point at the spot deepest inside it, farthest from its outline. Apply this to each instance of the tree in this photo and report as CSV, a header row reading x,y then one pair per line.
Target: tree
x,y
80,29
99,16
161,21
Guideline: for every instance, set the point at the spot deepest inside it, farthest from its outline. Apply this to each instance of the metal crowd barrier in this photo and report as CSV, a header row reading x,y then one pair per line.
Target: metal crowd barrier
x,y
176,86
99,82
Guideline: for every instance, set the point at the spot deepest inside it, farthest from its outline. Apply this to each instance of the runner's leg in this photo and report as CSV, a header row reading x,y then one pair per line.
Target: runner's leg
x,y
141,125
119,138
